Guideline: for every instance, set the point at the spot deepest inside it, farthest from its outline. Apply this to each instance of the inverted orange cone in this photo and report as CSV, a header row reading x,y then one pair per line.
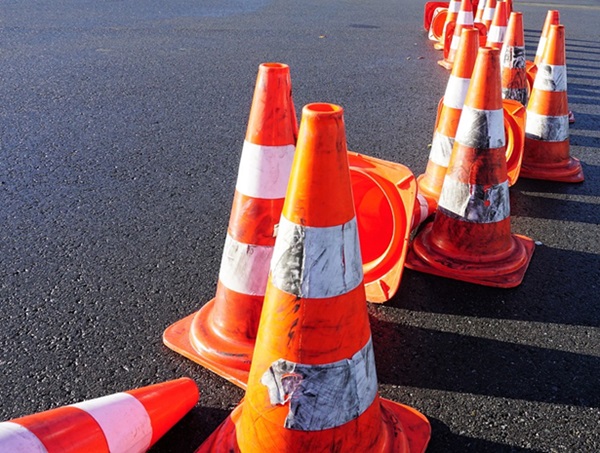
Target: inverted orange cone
x,y
497,30
127,422
547,149
430,183
221,335
470,238
512,60
313,384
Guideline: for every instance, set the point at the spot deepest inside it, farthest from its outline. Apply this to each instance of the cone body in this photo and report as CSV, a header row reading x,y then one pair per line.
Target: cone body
x,y
497,31
221,335
479,13
547,149
512,60
312,384
127,422
488,13
552,18
470,237
430,183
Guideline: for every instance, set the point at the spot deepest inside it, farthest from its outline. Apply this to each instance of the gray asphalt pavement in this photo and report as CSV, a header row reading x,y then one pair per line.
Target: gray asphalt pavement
x,y
122,124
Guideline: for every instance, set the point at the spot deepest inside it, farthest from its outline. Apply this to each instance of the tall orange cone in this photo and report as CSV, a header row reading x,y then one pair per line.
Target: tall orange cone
x,y
547,128
435,33
313,384
488,13
479,13
430,183
497,31
127,422
463,21
552,18
470,238
512,60
221,335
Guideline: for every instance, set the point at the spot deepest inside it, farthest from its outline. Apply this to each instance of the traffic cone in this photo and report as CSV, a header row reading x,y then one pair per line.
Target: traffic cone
x,y
431,8
512,60
497,31
313,384
547,127
479,13
221,335
464,20
126,422
435,34
488,13
469,238
430,183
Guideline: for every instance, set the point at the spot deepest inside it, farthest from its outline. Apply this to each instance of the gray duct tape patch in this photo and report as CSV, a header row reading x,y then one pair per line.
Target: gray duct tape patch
x,y
475,203
551,78
441,149
323,396
547,128
481,129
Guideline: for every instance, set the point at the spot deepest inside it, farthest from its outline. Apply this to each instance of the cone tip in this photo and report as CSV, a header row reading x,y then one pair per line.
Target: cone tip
x,y
322,108
273,66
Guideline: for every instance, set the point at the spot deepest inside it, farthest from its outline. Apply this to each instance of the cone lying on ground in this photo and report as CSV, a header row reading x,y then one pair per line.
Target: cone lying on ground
x,y
512,60
313,384
497,31
127,422
430,183
547,149
463,21
429,11
449,17
470,238
221,335
488,13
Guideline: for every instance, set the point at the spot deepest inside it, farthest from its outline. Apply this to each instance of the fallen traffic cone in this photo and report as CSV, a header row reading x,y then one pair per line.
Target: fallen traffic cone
x,y
470,238
430,10
488,13
221,335
450,16
512,60
430,183
497,31
463,21
313,384
547,127
127,422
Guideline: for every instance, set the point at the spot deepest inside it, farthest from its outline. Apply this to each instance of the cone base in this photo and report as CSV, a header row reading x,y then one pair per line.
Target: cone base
x,y
570,171
446,64
409,431
506,272
232,366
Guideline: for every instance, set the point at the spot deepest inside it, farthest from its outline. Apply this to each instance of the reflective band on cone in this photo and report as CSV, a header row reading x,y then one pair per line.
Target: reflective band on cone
x,y
512,60
497,31
488,13
469,238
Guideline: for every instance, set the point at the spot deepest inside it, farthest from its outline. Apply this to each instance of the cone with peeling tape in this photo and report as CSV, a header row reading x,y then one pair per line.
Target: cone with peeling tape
x,y
547,149
512,60
221,335
463,21
470,238
313,384
497,31
126,422
430,183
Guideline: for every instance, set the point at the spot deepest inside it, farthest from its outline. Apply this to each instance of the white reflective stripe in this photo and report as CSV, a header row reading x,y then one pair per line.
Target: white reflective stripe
x,y
124,421
465,18
423,211
481,128
541,45
517,94
512,57
488,13
15,438
481,6
245,267
454,43
323,396
441,149
264,170
551,78
496,34
456,92
473,202
547,128
454,6
316,262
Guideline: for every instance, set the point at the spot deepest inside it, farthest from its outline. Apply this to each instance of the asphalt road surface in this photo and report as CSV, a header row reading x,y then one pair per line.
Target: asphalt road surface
x,y
122,124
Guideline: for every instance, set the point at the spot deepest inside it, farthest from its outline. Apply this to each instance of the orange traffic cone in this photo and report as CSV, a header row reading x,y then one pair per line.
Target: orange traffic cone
x,y
469,238
512,60
430,10
430,183
127,422
221,335
552,18
464,20
479,13
497,31
313,384
437,33
547,127
488,13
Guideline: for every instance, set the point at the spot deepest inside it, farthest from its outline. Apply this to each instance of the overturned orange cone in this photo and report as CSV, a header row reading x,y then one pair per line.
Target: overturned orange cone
x,y
313,384
221,335
127,422
470,238
547,149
